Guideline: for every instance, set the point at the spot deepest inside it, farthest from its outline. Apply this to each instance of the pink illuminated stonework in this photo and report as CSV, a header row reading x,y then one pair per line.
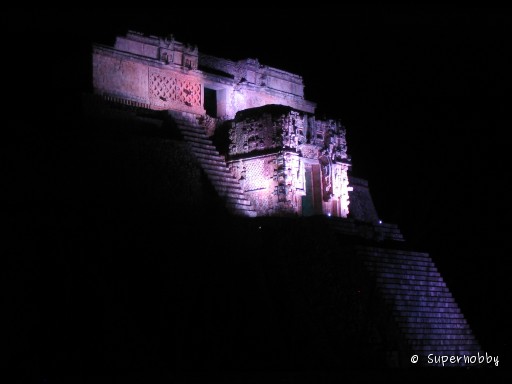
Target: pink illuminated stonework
x,y
281,158
285,158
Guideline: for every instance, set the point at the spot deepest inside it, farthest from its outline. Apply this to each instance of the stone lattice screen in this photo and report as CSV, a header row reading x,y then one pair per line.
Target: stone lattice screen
x,y
167,91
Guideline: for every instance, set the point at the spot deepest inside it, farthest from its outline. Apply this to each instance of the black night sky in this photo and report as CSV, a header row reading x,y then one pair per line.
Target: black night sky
x,y
423,93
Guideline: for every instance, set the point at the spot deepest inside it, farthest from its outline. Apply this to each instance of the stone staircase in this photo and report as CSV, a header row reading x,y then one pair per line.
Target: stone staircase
x,y
422,306
214,165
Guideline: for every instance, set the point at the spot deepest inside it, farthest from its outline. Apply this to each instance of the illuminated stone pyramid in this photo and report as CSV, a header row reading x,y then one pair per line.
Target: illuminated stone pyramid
x,y
266,154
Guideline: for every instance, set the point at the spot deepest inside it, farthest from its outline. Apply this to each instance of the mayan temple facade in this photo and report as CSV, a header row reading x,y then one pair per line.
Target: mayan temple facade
x,y
286,160
279,159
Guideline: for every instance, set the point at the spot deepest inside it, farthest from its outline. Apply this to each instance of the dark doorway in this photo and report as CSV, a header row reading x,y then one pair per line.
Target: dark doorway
x,y
316,176
307,201
210,102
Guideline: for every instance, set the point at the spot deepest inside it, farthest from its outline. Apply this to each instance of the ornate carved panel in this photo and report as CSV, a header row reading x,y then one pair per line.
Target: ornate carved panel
x,y
294,136
167,91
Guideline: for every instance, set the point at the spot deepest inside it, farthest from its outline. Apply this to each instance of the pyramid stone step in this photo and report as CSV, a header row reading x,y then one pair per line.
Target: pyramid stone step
x,y
392,261
413,300
205,146
406,280
376,251
237,206
225,187
193,133
401,264
383,268
448,321
205,161
404,265
442,344
218,171
200,140
191,128
403,297
238,201
410,287
421,296
400,267
407,324
229,193
416,324
439,336
425,332
409,274
399,259
396,256
210,156
192,136
426,305
198,130
223,180
214,165
428,315
204,151
444,349
422,325
421,308
202,148
469,349
418,327
228,188
372,250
